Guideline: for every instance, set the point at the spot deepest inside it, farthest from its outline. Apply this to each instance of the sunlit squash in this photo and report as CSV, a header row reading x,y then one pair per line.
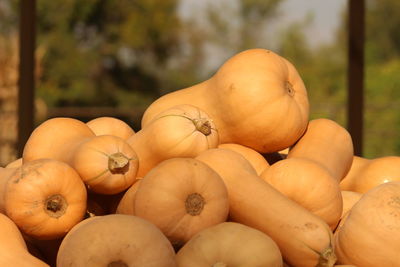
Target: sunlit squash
x,y
256,99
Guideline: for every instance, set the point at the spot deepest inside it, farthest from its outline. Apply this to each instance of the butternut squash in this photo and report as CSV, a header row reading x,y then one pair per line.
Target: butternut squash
x,y
5,174
56,138
310,185
356,166
115,240
349,199
375,172
14,164
127,203
45,198
230,244
13,249
110,126
182,196
106,164
303,238
181,131
256,99
327,143
369,235
256,159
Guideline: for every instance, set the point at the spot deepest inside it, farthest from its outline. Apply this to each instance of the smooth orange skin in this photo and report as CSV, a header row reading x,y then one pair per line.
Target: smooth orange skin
x,y
162,194
253,202
349,199
356,166
13,249
110,126
310,185
29,187
90,160
256,99
14,164
127,203
230,243
327,143
56,138
375,172
255,159
369,235
172,134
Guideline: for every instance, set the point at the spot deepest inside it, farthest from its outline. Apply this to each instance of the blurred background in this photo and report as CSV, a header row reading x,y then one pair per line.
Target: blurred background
x,y
104,57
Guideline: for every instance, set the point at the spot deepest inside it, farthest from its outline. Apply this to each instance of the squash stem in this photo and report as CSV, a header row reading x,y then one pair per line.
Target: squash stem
x,y
327,258
194,204
117,264
219,264
55,205
202,125
118,163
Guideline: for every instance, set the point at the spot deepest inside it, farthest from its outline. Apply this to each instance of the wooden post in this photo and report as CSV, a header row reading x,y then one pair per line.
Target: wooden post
x,y
26,82
355,74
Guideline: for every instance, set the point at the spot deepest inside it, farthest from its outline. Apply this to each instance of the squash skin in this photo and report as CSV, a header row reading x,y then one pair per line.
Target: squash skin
x,y
215,245
110,126
304,239
13,249
127,203
182,196
56,138
92,159
369,235
349,199
356,166
5,174
327,143
248,97
14,164
375,172
255,159
173,134
118,238
45,198
310,185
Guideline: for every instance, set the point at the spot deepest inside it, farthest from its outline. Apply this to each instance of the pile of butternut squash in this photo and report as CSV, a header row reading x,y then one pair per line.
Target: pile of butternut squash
x,y
227,172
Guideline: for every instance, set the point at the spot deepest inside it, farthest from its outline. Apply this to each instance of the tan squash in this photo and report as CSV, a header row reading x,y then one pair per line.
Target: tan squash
x,y
45,198
375,172
356,166
182,196
256,99
14,164
370,235
5,174
110,126
181,131
256,159
349,199
327,143
127,203
115,240
106,164
303,238
56,138
230,244
310,185
13,249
